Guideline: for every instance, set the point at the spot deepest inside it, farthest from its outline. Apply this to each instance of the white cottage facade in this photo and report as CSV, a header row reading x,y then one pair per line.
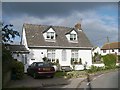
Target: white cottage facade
x,y
57,43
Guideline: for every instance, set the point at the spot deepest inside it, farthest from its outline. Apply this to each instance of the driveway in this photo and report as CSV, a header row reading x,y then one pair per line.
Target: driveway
x,y
55,82
29,81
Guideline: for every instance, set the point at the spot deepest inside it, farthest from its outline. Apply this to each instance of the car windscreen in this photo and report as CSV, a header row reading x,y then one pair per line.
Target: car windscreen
x,y
43,64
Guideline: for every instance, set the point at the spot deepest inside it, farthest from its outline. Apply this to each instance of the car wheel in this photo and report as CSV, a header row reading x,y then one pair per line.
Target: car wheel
x,y
34,75
51,76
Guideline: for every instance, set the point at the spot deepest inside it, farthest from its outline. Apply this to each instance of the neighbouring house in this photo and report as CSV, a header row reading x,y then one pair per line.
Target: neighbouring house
x,y
96,55
70,46
111,48
96,50
20,53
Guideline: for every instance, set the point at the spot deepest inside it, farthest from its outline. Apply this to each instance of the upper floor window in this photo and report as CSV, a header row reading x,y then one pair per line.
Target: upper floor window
x,y
73,37
50,35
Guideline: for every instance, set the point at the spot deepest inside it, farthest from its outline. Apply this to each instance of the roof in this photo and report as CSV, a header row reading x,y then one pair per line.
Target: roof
x,y
17,48
34,36
113,45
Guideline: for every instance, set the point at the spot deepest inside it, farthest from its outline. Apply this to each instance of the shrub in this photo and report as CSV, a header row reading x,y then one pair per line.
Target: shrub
x,y
95,69
118,58
6,60
109,61
18,69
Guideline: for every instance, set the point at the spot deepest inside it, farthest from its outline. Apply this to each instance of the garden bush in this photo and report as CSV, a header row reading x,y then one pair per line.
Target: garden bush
x,y
109,61
95,69
18,69
6,60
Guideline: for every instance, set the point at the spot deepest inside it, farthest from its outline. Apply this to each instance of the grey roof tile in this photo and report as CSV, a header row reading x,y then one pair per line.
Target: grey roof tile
x,y
34,36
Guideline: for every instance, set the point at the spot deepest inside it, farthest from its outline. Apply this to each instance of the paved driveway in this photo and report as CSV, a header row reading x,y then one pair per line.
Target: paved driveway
x,y
29,81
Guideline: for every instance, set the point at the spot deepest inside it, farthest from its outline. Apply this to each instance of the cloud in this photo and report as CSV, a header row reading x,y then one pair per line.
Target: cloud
x,y
93,25
44,9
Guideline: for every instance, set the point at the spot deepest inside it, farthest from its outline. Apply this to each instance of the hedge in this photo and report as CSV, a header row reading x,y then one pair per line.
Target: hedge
x,y
18,69
109,60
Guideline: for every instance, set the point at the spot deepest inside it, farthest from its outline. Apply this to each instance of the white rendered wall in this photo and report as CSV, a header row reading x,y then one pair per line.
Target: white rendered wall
x,y
86,56
24,41
36,55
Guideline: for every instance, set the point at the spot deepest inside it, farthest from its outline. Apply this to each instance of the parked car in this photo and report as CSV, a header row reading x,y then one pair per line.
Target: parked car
x,y
38,69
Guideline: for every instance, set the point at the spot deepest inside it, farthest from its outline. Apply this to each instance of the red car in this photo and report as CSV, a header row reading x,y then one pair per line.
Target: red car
x,y
38,69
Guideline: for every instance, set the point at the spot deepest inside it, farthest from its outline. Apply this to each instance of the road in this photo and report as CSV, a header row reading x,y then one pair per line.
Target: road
x,y
107,80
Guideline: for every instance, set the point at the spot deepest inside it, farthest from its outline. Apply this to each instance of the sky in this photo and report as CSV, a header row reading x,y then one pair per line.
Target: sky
x,y
99,20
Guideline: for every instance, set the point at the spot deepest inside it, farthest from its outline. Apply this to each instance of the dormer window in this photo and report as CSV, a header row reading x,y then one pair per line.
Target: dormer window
x,y
73,37
50,35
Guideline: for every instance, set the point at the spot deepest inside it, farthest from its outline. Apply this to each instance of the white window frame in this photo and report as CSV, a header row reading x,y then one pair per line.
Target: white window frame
x,y
73,37
50,35
51,55
74,54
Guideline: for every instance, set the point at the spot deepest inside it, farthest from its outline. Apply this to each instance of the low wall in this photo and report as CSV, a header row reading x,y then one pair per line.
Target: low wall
x,y
81,67
98,65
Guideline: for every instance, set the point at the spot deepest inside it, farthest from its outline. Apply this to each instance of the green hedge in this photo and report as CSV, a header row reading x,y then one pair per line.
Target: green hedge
x,y
18,69
6,61
109,60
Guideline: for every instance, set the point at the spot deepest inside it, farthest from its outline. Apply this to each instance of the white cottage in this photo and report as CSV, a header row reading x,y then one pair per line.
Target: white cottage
x,y
57,43
111,48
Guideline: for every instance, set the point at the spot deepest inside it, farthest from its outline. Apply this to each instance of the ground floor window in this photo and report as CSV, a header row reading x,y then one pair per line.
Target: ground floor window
x,y
51,55
104,51
74,57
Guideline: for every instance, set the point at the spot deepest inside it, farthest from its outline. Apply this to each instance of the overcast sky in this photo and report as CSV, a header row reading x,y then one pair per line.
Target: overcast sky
x,y
99,19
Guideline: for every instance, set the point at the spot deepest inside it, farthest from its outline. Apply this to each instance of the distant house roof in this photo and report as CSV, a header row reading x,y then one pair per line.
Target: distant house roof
x,y
34,36
17,48
113,45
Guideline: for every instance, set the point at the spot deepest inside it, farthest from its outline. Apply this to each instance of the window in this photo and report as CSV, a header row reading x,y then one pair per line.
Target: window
x,y
118,50
104,51
50,35
74,54
73,37
112,50
51,55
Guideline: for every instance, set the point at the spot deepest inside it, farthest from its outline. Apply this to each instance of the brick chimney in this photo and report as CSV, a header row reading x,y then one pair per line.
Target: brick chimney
x,y
78,26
